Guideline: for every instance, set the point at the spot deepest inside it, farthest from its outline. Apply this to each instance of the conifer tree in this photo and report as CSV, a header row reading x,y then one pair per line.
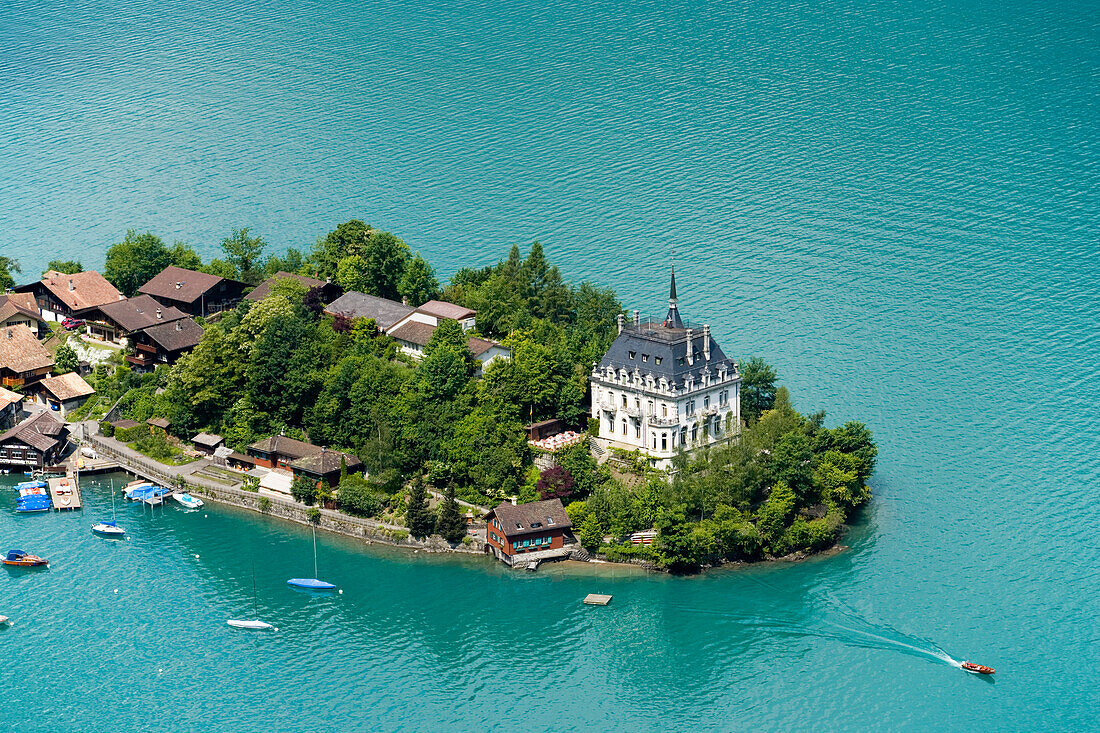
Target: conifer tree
x,y
417,517
451,525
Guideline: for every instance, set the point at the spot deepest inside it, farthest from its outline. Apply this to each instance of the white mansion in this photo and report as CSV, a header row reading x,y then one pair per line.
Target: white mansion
x,y
664,387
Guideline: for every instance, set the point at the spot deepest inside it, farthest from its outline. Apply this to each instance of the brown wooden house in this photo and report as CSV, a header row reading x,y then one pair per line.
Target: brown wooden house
x,y
60,296
194,293
516,530
324,467
23,360
279,451
119,321
21,309
164,343
36,442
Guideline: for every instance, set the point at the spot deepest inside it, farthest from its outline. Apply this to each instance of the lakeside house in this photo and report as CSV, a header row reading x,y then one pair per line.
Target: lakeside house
x,y
60,296
279,451
664,386
23,360
118,322
21,309
164,343
64,392
283,454
516,532
35,443
324,467
194,293
11,408
384,312
330,291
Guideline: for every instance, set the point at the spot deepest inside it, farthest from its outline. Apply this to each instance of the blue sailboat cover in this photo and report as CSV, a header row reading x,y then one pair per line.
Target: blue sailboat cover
x,y
16,554
311,583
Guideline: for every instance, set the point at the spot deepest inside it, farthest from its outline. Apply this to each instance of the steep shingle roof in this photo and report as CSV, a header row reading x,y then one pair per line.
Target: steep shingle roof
x,y
7,397
21,303
207,439
654,349
414,332
81,290
354,304
185,286
134,314
41,432
20,350
176,336
67,386
537,516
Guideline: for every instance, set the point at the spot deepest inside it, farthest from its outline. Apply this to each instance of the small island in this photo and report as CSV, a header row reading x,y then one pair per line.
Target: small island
x,y
507,396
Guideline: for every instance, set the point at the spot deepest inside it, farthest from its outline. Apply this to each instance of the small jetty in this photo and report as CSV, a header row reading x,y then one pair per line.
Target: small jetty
x,y
65,493
596,599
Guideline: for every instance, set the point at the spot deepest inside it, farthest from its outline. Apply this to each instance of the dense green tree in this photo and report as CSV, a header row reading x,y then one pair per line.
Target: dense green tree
x,y
527,380
590,533
183,256
283,377
418,283
8,265
487,449
418,518
356,496
67,267
774,516
221,268
790,463
65,360
244,251
757,388
292,261
135,260
451,525
852,438
837,479
346,240
304,490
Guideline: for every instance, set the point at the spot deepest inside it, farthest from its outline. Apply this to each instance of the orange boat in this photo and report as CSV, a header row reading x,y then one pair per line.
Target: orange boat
x,y
23,559
976,668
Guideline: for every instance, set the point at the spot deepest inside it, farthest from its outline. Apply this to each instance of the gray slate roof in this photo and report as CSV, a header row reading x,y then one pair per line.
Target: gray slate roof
x,y
537,516
354,304
42,432
653,348
134,314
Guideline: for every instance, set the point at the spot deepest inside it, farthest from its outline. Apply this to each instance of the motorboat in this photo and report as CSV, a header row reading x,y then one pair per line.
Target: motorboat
x,y
975,668
23,559
253,624
188,501
108,529
137,487
4,620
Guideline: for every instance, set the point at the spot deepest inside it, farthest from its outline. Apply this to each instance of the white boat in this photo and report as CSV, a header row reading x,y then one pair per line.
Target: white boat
x,y
254,624
191,502
137,487
89,452
108,529
4,620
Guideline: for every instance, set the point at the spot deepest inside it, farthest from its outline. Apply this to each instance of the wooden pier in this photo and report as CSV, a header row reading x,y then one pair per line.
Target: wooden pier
x,y
65,493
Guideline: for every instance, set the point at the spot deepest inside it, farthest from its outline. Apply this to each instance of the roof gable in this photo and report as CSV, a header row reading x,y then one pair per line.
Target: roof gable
x,y
443,309
20,350
262,290
41,432
81,290
67,386
142,311
537,516
354,304
177,335
185,286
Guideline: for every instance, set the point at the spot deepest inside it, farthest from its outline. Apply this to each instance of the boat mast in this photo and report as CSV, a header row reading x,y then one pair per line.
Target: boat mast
x,y
315,552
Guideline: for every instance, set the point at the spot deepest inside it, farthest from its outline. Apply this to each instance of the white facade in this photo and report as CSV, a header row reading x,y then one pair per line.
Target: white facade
x,y
641,413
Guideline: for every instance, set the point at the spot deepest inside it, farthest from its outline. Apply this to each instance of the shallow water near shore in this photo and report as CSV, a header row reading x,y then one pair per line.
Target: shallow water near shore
x,y
895,203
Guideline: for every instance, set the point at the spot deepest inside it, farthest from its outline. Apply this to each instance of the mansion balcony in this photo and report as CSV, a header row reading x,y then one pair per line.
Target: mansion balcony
x,y
663,422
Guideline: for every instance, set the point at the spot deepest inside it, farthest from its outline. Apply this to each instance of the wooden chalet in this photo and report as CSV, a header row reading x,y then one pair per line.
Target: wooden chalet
x,y
60,296
21,309
517,530
279,451
23,360
11,408
35,443
118,322
194,293
164,343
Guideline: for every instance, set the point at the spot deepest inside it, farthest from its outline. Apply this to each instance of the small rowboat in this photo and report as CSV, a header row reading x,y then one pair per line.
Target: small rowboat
x,y
975,668
254,624
4,620
22,559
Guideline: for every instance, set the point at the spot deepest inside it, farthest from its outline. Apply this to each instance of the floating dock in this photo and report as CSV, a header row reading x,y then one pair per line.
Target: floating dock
x,y
597,599
65,493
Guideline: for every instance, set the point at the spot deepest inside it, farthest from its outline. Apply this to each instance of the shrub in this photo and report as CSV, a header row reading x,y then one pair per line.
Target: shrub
x,y
304,490
357,497
265,503
106,429
314,515
591,534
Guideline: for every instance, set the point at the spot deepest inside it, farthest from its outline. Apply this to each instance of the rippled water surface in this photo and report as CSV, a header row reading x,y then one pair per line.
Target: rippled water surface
x,y
896,203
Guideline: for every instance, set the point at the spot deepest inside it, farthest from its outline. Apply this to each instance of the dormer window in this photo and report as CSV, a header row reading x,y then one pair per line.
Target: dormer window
x,y
657,360
549,521
645,357
535,524
633,354
680,361
519,526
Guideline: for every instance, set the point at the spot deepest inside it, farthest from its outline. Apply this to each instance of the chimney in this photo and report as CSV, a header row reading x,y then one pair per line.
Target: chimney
x,y
619,322
159,314
706,342
404,300
9,334
179,284
179,325
690,355
514,499
637,317
71,286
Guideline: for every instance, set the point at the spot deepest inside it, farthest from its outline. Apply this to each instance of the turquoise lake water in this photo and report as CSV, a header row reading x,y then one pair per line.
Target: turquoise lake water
x,y
896,203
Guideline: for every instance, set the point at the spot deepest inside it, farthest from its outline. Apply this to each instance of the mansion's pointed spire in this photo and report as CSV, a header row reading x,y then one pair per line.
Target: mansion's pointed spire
x,y
672,320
